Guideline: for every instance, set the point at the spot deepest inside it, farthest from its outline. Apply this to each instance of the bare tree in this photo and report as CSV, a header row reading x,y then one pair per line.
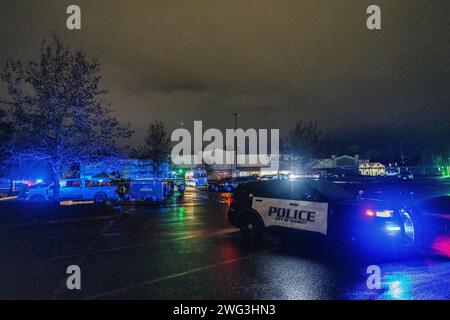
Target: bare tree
x,y
304,141
58,110
157,145
5,128
5,138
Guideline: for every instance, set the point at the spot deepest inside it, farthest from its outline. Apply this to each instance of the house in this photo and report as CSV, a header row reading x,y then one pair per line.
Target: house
x,y
372,169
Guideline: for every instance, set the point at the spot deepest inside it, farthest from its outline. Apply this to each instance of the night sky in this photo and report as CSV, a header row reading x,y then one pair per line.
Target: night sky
x,y
274,62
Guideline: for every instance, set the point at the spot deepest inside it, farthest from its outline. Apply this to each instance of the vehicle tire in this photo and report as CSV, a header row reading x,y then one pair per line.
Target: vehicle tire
x,y
251,227
150,201
37,198
100,198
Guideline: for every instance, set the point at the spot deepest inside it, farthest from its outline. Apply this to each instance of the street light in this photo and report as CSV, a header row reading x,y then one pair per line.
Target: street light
x,y
235,115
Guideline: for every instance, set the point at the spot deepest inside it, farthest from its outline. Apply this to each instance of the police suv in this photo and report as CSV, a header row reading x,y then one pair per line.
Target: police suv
x,y
322,208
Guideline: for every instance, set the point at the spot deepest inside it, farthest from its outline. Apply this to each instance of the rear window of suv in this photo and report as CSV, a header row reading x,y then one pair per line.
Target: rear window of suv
x,y
266,189
306,190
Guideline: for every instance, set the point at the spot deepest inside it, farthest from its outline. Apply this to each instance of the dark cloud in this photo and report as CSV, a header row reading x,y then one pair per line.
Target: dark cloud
x,y
272,61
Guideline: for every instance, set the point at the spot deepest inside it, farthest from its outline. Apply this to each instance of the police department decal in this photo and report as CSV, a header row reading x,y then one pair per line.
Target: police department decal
x,y
303,215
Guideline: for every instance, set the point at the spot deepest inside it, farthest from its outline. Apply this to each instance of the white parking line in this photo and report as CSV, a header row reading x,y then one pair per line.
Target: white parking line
x,y
173,276
32,262
202,235
8,198
83,257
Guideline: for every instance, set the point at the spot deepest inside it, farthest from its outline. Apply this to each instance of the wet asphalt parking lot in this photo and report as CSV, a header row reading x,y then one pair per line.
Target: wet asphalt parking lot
x,y
184,249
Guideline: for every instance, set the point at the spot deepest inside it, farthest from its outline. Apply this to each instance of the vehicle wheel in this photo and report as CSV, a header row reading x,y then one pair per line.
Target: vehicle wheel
x,y
149,201
37,198
100,198
251,227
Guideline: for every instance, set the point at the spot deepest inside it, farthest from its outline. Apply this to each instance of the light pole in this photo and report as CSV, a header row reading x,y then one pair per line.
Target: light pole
x,y
234,173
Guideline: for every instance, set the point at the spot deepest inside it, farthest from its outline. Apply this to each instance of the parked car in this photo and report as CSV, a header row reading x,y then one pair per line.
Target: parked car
x,y
390,173
229,184
214,185
241,180
280,176
405,175
196,178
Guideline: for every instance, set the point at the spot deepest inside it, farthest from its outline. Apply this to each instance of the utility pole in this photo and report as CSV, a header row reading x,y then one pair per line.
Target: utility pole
x,y
402,156
234,172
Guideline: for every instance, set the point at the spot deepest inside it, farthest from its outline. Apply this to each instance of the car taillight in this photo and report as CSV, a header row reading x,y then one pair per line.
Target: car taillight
x,y
370,213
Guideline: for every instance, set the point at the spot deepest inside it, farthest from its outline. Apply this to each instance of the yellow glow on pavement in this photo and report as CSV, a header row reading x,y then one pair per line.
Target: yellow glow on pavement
x,y
8,198
72,203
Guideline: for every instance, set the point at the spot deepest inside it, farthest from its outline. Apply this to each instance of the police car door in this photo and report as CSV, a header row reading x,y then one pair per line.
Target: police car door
x,y
305,210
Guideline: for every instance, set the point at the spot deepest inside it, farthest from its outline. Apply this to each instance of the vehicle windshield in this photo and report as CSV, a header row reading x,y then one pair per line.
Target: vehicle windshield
x,y
39,185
